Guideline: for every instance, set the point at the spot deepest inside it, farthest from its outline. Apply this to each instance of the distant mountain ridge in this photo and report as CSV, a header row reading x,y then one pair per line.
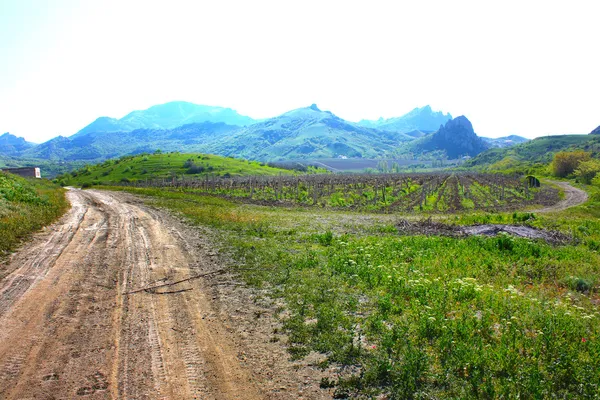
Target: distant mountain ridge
x,y
11,145
167,116
303,133
102,145
422,119
505,141
307,132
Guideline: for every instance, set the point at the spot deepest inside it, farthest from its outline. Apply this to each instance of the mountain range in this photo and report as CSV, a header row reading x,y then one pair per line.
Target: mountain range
x,y
304,133
423,120
166,116
11,145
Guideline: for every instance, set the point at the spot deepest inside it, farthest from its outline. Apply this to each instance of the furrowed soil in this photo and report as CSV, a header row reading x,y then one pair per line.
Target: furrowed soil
x,y
76,322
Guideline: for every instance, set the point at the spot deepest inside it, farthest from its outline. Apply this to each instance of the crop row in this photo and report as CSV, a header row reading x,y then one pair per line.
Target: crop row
x,y
382,192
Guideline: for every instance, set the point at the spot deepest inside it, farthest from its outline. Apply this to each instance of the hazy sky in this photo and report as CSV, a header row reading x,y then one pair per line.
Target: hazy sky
x,y
512,67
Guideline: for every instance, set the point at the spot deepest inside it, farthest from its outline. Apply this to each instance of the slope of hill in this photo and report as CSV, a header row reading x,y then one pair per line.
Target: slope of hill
x,y
96,146
307,133
422,119
456,138
165,165
595,131
26,205
167,116
540,150
11,145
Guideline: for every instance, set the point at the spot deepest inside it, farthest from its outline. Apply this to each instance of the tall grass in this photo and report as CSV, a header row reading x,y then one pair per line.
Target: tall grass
x,y
423,317
26,206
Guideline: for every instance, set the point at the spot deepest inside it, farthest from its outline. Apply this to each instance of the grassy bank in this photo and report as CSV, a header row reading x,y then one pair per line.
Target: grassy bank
x,y
419,316
26,206
165,166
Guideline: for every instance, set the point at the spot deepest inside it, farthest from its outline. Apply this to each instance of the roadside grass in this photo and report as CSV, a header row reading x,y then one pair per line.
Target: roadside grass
x,y
26,205
415,317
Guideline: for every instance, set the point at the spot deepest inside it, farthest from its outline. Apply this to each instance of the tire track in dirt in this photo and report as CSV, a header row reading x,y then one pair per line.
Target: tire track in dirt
x,y
68,328
573,197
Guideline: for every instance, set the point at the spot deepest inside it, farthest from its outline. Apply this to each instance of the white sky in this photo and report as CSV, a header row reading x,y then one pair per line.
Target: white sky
x,y
512,67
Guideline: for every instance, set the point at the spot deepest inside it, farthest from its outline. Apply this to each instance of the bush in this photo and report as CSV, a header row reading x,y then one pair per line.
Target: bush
x,y
587,171
192,167
86,185
566,162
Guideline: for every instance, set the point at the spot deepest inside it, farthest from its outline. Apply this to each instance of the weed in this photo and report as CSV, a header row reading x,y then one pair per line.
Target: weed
x,y
26,206
423,316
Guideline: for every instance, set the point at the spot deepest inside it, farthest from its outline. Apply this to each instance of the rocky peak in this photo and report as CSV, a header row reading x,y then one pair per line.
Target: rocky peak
x,y
595,131
457,138
460,122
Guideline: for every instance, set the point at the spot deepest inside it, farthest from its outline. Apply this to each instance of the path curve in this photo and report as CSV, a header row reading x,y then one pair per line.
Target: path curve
x,y
68,328
573,197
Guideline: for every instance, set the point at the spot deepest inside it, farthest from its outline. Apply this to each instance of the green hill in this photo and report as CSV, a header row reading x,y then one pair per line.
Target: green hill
x,y
536,152
153,166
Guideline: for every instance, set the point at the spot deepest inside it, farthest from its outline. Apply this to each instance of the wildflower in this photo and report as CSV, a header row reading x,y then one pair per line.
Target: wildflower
x,y
583,340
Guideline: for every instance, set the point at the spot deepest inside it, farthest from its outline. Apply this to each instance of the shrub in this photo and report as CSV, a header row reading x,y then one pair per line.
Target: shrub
x,y
580,284
587,171
192,167
566,162
86,185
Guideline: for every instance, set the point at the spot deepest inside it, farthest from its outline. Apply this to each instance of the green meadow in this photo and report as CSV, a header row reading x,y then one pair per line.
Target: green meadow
x,y
421,317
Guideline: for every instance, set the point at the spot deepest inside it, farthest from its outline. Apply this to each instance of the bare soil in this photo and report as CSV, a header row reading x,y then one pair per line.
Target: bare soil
x,y
70,326
429,227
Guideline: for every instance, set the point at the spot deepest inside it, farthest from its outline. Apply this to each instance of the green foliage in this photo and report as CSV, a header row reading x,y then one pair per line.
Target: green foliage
x,y
423,316
587,170
566,162
533,156
26,206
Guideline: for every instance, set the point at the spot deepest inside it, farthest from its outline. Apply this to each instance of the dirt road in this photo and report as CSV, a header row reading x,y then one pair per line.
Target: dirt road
x,y
69,328
573,197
